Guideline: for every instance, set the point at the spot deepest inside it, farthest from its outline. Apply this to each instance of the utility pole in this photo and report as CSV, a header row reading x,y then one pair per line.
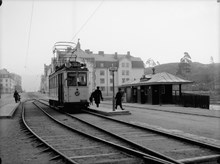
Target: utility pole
x,y
113,69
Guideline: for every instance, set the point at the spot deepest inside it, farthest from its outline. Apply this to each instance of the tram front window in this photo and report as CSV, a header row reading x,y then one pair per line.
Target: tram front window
x,y
82,79
74,78
71,79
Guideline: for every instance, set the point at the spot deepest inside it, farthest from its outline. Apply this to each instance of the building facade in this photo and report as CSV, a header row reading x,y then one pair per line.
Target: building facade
x,y
44,85
9,82
128,67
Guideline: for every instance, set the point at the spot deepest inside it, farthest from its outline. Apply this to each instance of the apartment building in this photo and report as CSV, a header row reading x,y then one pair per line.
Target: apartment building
x,y
9,82
129,67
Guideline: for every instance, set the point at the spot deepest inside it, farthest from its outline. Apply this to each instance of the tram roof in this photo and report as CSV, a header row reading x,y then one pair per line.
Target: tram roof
x,y
64,68
156,79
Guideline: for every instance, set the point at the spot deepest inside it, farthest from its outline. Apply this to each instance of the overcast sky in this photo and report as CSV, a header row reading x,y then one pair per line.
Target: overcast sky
x,y
159,29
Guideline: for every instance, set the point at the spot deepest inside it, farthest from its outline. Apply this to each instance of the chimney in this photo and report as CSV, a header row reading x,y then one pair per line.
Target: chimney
x,y
88,51
128,54
101,53
116,55
153,69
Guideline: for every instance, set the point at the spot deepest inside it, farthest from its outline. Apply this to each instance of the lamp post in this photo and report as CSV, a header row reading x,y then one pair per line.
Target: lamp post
x,y
113,69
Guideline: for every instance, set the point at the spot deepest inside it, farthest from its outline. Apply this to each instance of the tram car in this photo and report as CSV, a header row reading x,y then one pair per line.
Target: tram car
x,y
68,87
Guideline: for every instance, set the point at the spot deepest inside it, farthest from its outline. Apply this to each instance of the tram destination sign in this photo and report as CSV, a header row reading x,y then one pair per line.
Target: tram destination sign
x,y
113,69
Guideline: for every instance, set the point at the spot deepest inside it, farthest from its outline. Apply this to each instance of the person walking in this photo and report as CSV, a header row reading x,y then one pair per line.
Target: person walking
x,y
97,95
91,98
118,98
16,96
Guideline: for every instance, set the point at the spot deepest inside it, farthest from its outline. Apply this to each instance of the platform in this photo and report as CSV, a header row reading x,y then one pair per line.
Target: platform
x,y
8,110
107,111
7,106
174,108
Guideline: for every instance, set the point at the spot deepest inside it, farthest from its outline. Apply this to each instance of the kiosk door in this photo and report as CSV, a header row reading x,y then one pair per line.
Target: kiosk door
x,y
155,94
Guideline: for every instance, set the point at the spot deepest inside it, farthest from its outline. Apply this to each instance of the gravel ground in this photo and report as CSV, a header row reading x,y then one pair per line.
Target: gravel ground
x,y
16,147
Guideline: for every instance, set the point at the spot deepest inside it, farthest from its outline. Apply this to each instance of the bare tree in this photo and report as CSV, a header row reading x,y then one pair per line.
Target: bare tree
x,y
184,67
150,63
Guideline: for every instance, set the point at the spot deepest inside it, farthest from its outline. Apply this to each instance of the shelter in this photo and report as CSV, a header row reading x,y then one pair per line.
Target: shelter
x,y
159,88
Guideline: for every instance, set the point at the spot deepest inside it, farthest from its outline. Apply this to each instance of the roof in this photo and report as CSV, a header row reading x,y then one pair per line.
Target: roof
x,y
101,57
159,78
4,71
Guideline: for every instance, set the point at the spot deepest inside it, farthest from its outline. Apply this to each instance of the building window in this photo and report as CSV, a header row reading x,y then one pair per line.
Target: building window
x,y
127,65
102,72
123,72
111,88
127,72
127,79
123,80
123,64
111,81
102,88
101,64
102,81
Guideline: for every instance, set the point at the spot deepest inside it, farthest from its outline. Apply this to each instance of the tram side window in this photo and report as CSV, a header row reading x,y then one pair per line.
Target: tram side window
x,y
71,79
82,79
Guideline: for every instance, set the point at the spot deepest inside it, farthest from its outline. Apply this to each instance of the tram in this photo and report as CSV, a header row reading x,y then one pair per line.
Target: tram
x,y
68,83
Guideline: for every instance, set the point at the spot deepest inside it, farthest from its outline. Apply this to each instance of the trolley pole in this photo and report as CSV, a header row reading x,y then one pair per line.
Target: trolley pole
x,y
113,69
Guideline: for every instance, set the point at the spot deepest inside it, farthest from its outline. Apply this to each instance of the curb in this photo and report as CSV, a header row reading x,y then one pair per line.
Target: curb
x,y
14,110
110,113
197,114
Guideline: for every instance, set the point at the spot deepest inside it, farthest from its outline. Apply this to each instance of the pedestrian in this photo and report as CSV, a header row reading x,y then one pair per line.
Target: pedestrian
x,y
91,98
97,95
118,99
16,96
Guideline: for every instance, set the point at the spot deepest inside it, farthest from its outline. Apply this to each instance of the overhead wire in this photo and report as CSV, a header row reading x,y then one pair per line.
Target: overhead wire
x,y
29,34
93,13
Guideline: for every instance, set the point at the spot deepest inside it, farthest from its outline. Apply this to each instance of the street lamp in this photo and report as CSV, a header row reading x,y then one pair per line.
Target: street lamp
x,y
113,69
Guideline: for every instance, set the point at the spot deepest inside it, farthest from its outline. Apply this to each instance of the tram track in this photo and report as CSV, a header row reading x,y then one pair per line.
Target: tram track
x,y
160,144
73,146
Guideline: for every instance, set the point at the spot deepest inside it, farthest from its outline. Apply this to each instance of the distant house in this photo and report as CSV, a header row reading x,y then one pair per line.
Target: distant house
x,y
9,82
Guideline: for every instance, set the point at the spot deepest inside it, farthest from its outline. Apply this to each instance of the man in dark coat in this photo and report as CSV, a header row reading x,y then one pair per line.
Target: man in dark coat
x,y
118,98
16,96
97,95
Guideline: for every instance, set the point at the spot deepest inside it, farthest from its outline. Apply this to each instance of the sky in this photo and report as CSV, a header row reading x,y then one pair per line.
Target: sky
x,y
158,29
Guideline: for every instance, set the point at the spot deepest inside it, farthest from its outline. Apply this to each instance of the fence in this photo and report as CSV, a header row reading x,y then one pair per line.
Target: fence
x,y
192,100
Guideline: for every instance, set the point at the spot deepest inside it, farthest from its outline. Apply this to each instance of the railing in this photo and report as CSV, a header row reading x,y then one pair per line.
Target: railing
x,y
192,100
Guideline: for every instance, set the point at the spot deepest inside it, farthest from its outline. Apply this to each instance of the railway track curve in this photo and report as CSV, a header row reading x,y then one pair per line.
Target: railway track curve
x,y
73,146
157,143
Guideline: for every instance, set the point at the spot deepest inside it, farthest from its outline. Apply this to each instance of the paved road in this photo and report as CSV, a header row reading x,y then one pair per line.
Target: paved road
x,y
198,127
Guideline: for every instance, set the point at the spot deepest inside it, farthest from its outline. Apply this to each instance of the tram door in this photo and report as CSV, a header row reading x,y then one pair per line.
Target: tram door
x,y
60,88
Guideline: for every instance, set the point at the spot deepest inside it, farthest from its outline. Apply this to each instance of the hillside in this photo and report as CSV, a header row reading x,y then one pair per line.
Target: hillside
x,y
205,76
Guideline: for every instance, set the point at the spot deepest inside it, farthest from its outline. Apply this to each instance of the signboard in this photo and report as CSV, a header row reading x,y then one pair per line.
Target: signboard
x,y
113,69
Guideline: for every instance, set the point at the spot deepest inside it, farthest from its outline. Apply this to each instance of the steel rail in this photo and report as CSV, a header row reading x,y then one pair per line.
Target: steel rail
x,y
182,138
144,149
179,137
152,152
128,150
66,159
